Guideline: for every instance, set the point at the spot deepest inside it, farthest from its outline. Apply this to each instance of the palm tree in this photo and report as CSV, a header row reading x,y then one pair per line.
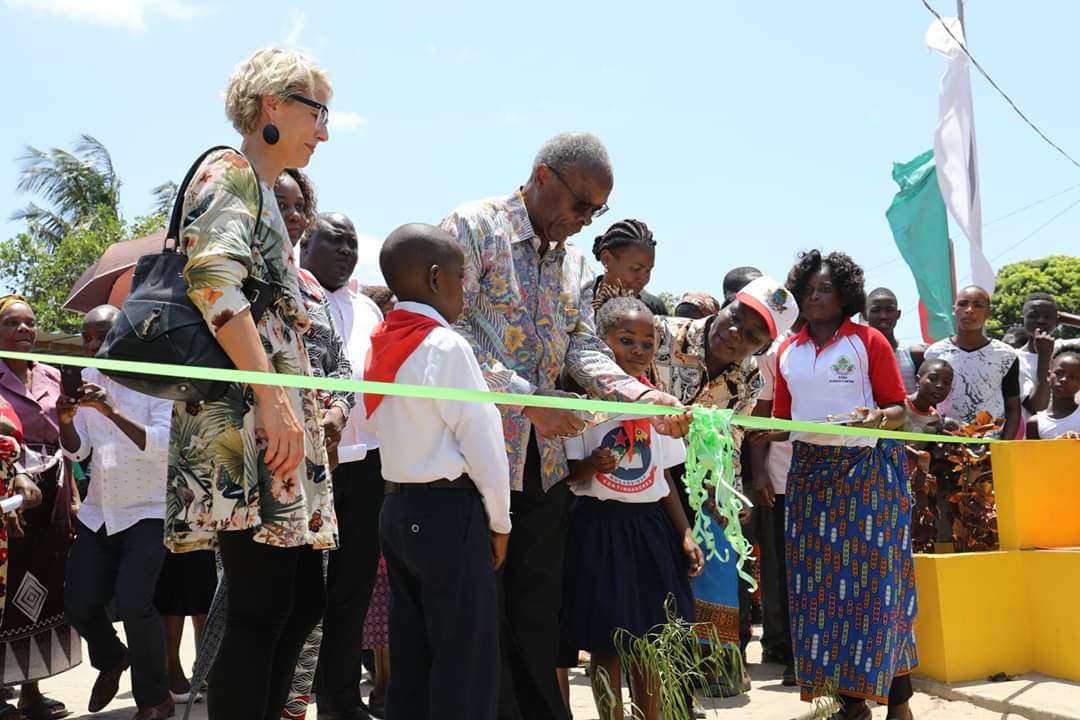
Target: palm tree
x,y
164,197
79,186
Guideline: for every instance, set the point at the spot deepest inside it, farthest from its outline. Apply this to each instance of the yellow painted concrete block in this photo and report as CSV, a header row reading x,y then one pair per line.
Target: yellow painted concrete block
x,y
1037,487
1053,586
975,616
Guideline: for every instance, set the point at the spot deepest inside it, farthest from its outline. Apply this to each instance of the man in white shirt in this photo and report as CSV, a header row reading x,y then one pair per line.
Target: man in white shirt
x,y
118,549
330,254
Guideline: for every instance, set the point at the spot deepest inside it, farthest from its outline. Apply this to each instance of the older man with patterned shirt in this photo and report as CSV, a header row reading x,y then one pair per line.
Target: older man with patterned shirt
x,y
528,316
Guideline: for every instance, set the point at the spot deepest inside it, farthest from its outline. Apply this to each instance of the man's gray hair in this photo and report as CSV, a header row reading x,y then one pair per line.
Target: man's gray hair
x,y
569,148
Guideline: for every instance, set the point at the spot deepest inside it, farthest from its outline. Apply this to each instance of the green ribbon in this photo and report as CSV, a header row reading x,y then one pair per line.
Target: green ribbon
x,y
710,465
431,392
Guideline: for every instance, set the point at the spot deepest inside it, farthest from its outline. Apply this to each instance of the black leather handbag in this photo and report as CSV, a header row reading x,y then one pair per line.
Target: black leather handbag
x,y
159,324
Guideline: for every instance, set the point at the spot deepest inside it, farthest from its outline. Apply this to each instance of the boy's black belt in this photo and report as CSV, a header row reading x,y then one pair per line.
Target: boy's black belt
x,y
463,482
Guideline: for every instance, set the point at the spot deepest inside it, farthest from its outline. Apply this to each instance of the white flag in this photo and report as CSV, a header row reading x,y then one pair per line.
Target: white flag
x,y
954,146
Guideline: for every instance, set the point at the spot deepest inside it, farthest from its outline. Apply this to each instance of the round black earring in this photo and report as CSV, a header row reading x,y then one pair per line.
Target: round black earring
x,y
270,134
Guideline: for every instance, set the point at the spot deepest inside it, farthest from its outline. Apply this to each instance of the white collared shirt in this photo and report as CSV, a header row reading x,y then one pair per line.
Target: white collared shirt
x,y
424,440
778,454
355,315
126,484
855,368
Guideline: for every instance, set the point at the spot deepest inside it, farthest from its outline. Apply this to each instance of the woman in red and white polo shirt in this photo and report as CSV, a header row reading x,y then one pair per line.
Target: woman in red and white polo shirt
x,y
851,582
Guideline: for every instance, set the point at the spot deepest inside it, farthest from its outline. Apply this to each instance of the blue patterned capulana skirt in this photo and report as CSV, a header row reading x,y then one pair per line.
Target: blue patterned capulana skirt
x,y
851,579
716,591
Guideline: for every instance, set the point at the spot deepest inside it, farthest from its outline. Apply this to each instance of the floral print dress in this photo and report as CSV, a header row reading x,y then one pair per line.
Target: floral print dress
x,y
218,479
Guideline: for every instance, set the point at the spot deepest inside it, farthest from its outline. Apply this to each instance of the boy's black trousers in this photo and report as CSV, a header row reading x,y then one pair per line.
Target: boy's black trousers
x,y
444,620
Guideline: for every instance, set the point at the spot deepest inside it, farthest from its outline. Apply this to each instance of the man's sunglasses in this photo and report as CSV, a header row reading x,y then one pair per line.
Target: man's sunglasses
x,y
581,205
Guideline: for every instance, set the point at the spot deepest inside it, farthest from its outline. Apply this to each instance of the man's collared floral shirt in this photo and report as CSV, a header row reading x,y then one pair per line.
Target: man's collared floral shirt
x,y
529,319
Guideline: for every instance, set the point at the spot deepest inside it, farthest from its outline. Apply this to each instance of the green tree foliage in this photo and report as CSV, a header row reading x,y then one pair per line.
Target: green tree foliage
x,y
1058,275
81,187
81,219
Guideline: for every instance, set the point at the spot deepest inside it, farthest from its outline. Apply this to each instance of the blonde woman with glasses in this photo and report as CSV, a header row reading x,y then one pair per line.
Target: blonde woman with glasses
x,y
247,473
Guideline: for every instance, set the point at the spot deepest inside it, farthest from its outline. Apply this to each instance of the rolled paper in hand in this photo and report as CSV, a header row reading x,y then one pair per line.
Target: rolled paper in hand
x,y
351,453
11,504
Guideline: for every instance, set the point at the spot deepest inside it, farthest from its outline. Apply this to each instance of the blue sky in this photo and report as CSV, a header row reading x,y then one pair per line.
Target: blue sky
x,y
741,132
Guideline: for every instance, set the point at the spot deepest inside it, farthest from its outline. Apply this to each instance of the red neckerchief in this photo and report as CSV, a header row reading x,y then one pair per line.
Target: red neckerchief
x,y
392,342
639,428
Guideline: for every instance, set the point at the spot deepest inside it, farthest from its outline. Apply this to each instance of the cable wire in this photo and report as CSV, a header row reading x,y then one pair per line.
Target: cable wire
x,y
1024,239
1001,92
1034,232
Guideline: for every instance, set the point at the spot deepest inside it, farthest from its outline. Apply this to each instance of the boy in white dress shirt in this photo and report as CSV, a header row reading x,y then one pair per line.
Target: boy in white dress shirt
x,y
445,522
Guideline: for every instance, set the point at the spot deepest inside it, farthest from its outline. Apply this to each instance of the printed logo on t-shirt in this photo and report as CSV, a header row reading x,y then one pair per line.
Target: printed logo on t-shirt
x,y
842,370
635,471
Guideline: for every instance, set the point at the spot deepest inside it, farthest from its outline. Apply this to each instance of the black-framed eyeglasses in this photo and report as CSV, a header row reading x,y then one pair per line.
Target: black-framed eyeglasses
x,y
581,205
324,112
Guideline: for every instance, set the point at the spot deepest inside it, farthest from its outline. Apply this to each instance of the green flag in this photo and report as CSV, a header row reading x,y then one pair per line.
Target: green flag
x,y
920,228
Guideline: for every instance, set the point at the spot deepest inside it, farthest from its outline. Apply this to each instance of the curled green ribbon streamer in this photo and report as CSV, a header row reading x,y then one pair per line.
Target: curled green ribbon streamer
x,y
710,470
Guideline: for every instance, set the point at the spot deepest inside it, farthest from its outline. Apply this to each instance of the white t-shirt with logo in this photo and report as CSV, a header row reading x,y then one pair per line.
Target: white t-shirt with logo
x,y
639,478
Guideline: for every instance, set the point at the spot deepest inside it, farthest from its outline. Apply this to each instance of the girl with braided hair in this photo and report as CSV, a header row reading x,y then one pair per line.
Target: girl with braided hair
x,y
628,252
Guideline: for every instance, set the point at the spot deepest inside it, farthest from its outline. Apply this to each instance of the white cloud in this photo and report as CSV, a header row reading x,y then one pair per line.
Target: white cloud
x,y
128,14
341,120
512,118
465,53
431,49
297,21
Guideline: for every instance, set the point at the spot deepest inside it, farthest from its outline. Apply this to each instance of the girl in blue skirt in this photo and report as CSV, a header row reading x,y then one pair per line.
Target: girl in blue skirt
x,y
629,545
851,584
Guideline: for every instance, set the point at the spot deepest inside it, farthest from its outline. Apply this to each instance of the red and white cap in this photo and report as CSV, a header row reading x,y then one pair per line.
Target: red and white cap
x,y
772,301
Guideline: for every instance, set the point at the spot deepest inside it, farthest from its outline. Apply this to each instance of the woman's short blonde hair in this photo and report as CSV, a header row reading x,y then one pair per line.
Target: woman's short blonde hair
x,y
269,71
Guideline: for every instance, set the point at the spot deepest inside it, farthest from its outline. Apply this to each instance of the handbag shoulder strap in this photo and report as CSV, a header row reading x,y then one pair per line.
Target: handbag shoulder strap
x,y
177,215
